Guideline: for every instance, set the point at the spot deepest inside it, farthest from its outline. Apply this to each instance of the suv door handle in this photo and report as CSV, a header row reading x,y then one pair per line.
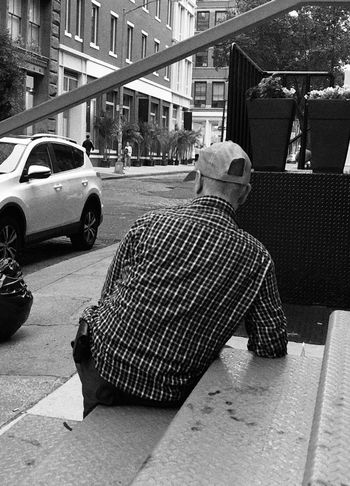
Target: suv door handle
x,y
85,182
58,187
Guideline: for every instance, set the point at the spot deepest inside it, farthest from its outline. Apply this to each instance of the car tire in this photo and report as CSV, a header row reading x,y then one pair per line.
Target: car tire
x,y
86,237
10,238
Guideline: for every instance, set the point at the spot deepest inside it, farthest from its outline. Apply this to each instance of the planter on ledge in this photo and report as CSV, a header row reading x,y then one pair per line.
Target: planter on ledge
x,y
270,123
329,134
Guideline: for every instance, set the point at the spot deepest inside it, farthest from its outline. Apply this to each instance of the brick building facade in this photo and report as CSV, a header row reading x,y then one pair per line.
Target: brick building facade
x,y
34,28
209,85
93,42
68,43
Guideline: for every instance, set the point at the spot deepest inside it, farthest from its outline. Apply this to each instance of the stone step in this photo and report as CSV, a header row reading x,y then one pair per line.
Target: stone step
x,y
329,448
250,421
108,447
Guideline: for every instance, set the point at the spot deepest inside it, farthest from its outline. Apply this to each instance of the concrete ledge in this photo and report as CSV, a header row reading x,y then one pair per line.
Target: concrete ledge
x,y
247,422
329,449
108,447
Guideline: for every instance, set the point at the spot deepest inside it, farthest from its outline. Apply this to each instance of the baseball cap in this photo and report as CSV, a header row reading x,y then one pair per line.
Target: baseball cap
x,y
223,161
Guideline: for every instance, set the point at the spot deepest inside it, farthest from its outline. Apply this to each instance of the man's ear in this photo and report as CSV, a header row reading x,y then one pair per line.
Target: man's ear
x,y
244,194
198,183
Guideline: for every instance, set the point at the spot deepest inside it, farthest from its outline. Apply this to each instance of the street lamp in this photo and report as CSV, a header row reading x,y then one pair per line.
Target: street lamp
x,y
120,96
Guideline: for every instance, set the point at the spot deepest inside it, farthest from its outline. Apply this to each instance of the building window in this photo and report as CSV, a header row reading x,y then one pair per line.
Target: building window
x,y
33,24
154,113
175,116
127,104
179,76
158,9
94,24
167,70
67,17
70,82
14,19
144,45
155,50
188,77
220,16
202,21
201,59
110,104
169,11
218,95
190,25
113,35
129,41
79,20
165,117
200,94
182,24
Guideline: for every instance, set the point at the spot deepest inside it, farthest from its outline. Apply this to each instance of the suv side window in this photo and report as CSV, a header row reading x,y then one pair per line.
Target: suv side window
x,y
63,157
78,156
39,156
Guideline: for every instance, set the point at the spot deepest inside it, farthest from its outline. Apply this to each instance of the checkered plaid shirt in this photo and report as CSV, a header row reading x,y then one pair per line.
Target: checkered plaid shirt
x,y
179,285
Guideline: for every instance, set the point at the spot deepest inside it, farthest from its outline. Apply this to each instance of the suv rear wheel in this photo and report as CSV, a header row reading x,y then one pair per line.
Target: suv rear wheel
x,y
86,237
10,238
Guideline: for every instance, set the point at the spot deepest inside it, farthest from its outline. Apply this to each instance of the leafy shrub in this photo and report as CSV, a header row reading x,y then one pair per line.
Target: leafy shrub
x,y
270,87
336,93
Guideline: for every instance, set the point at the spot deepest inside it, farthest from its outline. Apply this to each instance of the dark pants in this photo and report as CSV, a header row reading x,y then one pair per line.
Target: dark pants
x,y
97,391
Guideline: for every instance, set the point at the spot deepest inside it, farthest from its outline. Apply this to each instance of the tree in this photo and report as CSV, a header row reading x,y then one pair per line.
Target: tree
x,y
309,39
182,143
150,139
131,133
165,141
11,77
107,132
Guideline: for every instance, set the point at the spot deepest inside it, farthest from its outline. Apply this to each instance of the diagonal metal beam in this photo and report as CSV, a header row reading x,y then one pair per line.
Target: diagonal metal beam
x,y
217,34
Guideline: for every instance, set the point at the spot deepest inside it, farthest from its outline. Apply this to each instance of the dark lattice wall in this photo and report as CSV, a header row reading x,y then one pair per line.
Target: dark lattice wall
x,y
304,221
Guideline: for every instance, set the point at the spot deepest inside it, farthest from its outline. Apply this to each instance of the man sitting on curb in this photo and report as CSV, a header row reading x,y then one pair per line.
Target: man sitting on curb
x,y
178,287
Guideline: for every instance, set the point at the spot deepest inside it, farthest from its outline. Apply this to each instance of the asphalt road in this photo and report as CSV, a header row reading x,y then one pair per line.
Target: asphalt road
x,y
124,201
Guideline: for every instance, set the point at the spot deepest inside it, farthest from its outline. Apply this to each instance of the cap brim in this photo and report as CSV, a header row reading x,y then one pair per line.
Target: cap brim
x,y
190,176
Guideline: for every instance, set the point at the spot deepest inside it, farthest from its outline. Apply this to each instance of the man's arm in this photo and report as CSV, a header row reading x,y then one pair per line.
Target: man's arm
x,y
265,322
123,256
115,268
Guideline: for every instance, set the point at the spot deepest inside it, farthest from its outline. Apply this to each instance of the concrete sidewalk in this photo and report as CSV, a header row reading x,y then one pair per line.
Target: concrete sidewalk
x,y
39,389
108,172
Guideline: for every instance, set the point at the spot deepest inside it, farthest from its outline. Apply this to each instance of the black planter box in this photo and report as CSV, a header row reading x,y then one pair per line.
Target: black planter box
x,y
329,134
270,123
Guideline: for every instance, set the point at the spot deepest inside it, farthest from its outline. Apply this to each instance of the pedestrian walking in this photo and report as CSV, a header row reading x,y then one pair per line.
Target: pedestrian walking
x,y
88,145
127,155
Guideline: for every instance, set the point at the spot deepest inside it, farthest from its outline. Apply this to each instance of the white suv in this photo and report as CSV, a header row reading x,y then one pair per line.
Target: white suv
x,y
48,188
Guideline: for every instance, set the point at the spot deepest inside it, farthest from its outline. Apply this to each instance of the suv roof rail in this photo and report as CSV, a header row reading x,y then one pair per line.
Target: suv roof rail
x,y
14,135
50,135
